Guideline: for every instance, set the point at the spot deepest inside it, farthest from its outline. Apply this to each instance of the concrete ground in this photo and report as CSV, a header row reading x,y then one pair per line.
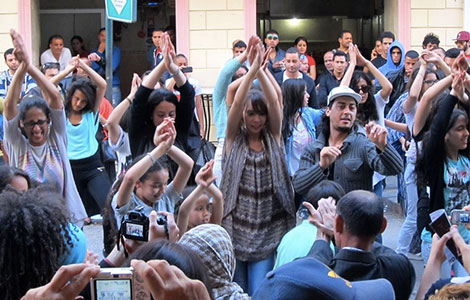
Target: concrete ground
x,y
393,213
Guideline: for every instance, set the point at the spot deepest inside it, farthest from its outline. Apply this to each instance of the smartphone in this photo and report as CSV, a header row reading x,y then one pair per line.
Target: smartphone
x,y
460,216
187,70
118,283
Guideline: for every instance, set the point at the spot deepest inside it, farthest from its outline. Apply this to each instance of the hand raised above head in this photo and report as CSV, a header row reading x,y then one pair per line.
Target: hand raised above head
x,y
205,176
20,51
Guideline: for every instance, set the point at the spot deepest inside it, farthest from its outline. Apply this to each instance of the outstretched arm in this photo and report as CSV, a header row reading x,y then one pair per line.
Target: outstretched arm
x,y
169,54
10,109
346,81
379,76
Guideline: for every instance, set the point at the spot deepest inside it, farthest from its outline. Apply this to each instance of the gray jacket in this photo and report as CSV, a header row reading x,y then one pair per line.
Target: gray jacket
x,y
353,169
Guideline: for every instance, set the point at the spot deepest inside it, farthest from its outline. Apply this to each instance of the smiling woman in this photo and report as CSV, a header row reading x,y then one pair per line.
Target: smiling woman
x,y
38,144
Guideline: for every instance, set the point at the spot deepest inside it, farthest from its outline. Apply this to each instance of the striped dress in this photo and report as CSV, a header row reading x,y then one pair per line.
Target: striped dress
x,y
258,219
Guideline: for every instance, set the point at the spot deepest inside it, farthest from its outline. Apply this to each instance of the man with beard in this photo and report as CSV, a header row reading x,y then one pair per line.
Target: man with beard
x,y
333,79
463,37
342,153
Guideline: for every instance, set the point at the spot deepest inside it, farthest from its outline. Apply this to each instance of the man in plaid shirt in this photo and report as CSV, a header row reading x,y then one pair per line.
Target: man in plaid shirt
x,y
6,77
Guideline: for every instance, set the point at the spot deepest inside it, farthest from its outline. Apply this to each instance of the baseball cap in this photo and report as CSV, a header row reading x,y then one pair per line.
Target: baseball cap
x,y
343,91
463,36
307,278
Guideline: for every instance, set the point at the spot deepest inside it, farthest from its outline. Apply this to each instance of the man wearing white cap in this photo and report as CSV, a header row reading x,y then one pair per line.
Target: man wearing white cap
x,y
462,40
343,154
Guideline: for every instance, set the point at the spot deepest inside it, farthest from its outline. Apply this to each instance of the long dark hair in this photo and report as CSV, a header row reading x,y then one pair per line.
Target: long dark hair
x,y
366,111
293,93
87,87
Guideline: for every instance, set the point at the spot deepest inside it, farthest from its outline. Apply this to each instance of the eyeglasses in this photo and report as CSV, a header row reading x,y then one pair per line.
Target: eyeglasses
x,y
272,37
31,124
365,89
430,82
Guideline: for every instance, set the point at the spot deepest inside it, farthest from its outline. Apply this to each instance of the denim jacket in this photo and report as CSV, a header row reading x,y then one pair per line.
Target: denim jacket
x,y
311,118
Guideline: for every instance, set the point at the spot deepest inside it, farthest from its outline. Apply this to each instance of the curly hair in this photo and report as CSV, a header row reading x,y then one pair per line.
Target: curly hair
x,y
32,239
452,291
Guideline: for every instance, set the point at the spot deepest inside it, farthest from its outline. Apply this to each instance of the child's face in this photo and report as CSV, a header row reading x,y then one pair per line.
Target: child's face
x,y
153,187
201,214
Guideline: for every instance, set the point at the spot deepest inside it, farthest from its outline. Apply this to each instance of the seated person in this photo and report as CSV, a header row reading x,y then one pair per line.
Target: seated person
x,y
357,221
298,241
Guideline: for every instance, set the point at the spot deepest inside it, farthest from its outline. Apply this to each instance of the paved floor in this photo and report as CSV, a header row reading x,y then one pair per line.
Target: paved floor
x,y
94,233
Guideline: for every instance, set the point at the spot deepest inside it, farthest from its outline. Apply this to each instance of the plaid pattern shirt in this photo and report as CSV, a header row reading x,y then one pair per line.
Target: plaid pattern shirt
x,y
5,81
396,114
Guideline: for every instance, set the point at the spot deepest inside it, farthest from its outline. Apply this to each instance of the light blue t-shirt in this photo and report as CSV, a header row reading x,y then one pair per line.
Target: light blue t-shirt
x,y
296,243
77,249
81,138
456,191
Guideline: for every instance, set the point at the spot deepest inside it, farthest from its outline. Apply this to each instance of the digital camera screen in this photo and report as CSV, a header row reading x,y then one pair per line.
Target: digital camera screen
x,y
464,218
135,229
114,289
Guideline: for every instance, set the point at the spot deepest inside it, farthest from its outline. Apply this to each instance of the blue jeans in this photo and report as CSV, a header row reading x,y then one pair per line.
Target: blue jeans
x,y
116,96
250,274
459,270
409,225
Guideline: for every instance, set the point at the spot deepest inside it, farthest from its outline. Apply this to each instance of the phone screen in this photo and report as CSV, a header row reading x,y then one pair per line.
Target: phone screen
x,y
113,289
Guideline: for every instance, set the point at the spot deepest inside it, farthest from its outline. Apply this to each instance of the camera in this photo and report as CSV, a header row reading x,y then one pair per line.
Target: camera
x,y
135,225
187,70
118,283
460,216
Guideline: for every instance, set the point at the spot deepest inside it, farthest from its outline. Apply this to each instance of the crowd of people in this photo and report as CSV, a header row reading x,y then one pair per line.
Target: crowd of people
x,y
287,205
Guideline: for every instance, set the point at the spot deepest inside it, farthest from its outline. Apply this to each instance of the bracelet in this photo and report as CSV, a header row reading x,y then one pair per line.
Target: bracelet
x,y
151,158
130,102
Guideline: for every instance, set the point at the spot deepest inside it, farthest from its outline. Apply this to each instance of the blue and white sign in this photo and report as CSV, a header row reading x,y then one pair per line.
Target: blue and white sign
x,y
121,10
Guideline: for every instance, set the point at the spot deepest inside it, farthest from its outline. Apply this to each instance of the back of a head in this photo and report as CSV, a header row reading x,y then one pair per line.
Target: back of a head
x,y
412,54
453,52
213,245
324,189
362,212
177,255
32,239
452,292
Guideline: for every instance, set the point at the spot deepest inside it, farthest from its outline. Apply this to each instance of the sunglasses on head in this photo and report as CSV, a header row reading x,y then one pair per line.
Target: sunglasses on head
x,y
272,37
364,89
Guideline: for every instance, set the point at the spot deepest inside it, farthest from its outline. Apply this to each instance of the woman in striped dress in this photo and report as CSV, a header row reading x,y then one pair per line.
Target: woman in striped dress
x,y
259,199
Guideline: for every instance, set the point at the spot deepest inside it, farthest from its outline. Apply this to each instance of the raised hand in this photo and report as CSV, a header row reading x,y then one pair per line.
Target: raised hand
x,y
136,82
430,57
94,57
328,155
352,54
205,177
165,131
377,134
169,54
20,51
361,61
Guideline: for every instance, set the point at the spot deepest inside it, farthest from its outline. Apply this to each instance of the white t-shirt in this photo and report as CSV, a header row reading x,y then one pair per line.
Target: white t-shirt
x,y
64,58
380,103
301,140
410,120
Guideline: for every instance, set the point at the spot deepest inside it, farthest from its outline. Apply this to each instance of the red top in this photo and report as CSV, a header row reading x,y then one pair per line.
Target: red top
x,y
311,61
